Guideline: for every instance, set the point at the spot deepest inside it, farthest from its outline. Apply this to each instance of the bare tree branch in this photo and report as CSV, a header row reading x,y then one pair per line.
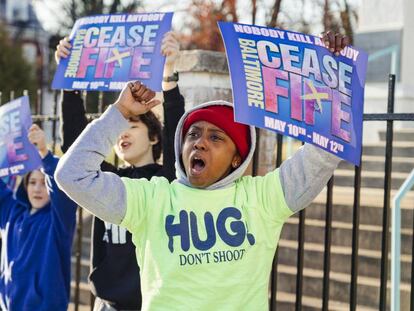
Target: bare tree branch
x,y
275,13
346,21
326,16
254,11
74,9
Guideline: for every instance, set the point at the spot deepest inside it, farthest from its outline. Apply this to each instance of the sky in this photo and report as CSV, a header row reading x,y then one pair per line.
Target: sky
x,y
50,22
47,11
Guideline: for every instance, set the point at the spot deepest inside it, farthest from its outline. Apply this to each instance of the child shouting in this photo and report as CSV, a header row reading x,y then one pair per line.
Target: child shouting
x,y
206,241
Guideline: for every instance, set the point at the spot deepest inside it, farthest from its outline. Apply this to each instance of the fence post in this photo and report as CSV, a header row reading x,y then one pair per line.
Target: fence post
x,y
55,101
273,274
387,191
38,108
396,242
355,237
328,241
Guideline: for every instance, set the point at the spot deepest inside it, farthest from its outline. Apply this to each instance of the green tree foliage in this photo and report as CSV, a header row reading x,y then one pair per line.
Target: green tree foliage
x,y
16,73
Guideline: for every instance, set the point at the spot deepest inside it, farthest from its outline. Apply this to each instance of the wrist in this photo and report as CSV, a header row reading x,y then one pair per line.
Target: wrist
x,y
173,77
168,69
43,152
125,113
167,86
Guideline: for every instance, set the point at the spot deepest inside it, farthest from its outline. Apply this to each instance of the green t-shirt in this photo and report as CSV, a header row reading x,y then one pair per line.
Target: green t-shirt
x,y
205,249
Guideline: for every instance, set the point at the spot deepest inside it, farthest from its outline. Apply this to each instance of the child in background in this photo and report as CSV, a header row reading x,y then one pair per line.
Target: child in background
x,y
206,241
37,227
114,276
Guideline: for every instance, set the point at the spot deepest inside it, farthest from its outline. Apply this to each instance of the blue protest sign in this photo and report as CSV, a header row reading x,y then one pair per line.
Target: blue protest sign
x,y
10,181
17,155
109,50
290,83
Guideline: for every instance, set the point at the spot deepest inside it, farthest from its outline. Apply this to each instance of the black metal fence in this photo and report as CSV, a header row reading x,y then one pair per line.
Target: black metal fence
x,y
389,117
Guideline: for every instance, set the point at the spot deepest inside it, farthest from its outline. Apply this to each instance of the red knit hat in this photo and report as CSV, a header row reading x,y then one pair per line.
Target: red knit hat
x,y
222,117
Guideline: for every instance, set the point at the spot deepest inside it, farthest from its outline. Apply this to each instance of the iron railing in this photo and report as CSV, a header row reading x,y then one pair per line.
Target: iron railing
x,y
396,244
389,118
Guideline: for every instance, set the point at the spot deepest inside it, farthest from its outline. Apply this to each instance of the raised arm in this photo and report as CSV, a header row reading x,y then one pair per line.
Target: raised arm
x,y
79,174
73,119
305,174
5,192
173,102
63,209
7,201
73,115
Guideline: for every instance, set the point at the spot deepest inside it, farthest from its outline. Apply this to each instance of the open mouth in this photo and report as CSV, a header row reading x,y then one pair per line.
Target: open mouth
x,y
124,145
197,165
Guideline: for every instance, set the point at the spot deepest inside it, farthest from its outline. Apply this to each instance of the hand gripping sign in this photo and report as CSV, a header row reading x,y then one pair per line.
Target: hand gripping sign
x,y
109,50
17,154
290,83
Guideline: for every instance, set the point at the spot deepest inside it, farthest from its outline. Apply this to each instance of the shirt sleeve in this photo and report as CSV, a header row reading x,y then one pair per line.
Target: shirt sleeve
x,y
73,118
7,201
63,208
270,197
79,170
173,111
305,174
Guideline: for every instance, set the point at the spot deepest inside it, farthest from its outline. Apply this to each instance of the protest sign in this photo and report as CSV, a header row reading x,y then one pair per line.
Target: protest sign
x,y
17,155
109,50
10,181
290,83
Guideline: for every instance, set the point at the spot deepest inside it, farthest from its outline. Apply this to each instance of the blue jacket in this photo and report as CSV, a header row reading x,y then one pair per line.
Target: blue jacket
x,y
36,249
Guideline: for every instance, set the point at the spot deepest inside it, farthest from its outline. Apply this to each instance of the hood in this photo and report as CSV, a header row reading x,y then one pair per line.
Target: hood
x,y
229,179
21,196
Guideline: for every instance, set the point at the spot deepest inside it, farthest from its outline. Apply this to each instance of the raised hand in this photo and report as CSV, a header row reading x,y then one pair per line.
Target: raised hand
x,y
335,42
62,49
170,48
38,138
136,99
140,92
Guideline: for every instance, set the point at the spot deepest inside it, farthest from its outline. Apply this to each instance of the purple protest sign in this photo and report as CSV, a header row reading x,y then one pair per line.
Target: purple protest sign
x,y
109,50
17,155
290,83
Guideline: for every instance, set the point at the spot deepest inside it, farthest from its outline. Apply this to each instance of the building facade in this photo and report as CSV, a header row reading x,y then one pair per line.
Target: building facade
x,y
22,24
386,31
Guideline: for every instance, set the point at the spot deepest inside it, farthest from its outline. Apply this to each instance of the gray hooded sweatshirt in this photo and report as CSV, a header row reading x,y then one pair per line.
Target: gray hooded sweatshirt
x,y
302,176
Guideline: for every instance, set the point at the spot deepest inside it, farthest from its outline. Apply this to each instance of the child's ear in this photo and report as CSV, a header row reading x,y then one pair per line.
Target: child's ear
x,y
154,141
235,163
